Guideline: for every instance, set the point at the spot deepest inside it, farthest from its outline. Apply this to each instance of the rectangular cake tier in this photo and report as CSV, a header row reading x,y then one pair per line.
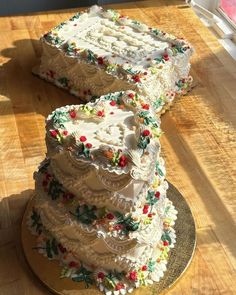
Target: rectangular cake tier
x,y
100,51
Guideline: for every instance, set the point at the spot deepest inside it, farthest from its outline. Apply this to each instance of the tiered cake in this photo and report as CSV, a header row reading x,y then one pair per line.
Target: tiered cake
x,y
101,207
100,51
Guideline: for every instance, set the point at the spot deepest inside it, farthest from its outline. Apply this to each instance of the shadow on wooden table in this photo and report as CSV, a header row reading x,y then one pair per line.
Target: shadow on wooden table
x,y
201,136
23,92
16,277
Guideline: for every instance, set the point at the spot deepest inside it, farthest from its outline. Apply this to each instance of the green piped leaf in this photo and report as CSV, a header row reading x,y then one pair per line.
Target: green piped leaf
x,y
55,189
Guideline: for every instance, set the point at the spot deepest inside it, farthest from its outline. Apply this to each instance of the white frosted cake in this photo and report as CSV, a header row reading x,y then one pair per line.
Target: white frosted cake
x,y
99,51
101,207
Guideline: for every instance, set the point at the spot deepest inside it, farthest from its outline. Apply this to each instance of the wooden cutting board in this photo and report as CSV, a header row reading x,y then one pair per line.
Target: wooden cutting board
x,y
199,144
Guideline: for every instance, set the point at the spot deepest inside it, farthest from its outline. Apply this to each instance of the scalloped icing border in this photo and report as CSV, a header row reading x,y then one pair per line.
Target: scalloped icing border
x,y
145,274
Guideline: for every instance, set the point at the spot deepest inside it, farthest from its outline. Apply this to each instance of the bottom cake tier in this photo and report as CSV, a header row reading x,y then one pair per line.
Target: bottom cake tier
x,y
109,281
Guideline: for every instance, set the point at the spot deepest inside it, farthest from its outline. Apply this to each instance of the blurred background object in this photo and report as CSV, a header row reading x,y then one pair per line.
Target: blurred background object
x,y
11,7
220,17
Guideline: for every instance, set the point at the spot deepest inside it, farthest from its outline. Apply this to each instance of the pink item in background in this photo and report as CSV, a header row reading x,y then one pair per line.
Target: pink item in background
x,y
229,8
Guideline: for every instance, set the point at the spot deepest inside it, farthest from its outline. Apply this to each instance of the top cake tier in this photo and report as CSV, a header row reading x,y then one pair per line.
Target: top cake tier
x,y
100,51
117,137
117,39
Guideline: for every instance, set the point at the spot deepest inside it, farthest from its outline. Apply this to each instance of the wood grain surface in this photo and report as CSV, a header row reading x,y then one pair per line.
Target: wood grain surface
x,y
199,143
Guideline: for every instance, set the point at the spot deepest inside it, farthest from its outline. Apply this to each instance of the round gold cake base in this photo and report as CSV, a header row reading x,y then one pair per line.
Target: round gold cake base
x,y
48,271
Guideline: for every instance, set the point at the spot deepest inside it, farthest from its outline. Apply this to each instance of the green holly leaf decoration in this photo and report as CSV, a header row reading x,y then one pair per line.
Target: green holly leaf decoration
x,y
70,49
60,26
127,222
76,16
158,169
86,151
132,71
109,281
43,168
119,275
55,189
54,246
151,265
116,97
156,32
166,237
48,249
159,102
85,213
148,119
151,199
91,56
64,82
59,117
53,39
143,142
159,59
51,248
36,221
83,275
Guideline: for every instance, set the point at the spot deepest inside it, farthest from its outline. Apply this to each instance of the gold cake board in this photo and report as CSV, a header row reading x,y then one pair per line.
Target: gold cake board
x,y
48,271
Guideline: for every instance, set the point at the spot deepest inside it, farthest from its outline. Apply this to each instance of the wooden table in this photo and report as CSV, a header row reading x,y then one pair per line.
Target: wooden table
x,y
199,144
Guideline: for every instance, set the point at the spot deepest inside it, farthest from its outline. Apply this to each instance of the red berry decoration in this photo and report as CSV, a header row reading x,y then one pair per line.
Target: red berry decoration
x,y
150,215
157,195
145,210
53,133
118,227
123,158
144,267
101,275
72,114
73,264
88,145
136,78
133,276
131,95
65,132
146,106
165,243
100,60
110,216
119,286
122,164
82,138
166,57
101,113
123,161
146,132
61,248
113,103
